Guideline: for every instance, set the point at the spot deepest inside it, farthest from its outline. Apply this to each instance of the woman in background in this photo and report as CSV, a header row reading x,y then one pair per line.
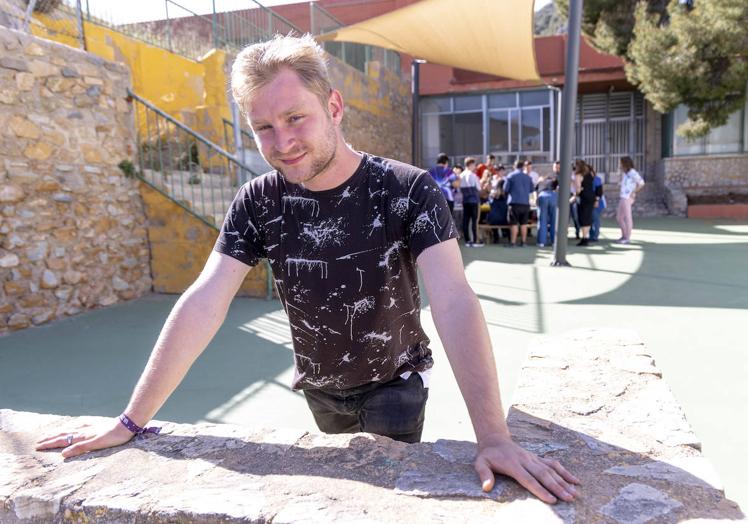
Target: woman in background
x,y
585,195
631,183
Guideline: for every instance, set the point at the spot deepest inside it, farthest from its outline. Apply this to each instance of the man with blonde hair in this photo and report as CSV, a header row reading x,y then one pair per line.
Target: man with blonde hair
x,y
343,232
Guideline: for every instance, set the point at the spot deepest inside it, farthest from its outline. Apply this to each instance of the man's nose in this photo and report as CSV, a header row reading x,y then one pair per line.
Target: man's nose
x,y
285,140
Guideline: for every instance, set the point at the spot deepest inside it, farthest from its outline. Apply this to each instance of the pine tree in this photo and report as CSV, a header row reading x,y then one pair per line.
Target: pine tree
x,y
692,52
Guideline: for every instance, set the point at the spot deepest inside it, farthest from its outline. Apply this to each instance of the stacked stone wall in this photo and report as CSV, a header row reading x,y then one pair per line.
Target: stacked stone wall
x,y
378,109
72,231
684,177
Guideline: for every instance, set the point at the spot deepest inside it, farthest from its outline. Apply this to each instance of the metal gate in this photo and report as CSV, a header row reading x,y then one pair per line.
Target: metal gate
x,y
609,126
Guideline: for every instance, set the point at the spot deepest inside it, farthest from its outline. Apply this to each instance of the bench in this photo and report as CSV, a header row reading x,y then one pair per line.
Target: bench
x,y
485,231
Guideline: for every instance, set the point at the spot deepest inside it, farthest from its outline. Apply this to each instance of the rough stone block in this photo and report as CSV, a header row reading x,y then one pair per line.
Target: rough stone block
x,y
23,128
211,473
25,81
11,193
9,260
38,151
15,64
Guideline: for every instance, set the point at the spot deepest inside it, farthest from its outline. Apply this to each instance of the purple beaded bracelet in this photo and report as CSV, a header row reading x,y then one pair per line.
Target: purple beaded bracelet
x,y
132,426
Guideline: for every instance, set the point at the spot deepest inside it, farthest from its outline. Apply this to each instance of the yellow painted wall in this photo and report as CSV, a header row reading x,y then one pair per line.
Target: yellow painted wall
x,y
193,92
180,244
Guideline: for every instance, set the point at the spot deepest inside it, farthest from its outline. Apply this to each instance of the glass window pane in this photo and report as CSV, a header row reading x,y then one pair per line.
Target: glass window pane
x,y
514,126
681,145
468,103
436,137
726,138
531,130
468,133
547,129
355,55
498,131
502,100
533,98
434,104
335,49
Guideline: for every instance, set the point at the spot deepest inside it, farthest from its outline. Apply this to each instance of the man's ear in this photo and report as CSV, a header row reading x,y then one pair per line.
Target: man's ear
x,y
335,106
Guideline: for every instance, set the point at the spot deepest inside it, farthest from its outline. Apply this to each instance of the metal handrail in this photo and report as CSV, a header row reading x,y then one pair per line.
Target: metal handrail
x,y
189,130
228,123
276,15
183,177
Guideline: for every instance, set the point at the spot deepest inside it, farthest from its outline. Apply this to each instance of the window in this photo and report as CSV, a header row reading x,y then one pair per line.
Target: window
x,y
531,137
533,98
498,131
502,100
458,126
435,104
720,140
726,138
468,103
436,133
468,133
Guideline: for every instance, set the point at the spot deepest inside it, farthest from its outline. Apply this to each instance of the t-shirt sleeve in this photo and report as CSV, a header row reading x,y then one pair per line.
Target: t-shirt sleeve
x,y
240,235
429,221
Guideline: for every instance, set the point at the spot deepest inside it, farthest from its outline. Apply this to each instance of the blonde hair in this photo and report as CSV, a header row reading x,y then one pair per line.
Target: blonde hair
x,y
256,66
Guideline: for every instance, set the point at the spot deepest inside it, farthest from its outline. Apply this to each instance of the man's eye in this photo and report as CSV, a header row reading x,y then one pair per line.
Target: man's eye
x,y
262,128
296,118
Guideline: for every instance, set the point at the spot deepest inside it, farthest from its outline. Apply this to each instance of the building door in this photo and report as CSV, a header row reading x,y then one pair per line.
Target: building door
x,y
609,126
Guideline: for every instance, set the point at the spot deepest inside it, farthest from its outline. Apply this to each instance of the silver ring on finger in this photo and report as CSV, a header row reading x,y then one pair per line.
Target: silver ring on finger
x,y
69,439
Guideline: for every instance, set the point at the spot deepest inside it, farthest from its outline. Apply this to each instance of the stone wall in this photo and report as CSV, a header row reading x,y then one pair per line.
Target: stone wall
x,y
377,115
687,176
73,229
593,400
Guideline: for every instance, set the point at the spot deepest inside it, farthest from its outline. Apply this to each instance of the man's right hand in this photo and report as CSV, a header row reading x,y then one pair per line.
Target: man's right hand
x,y
88,438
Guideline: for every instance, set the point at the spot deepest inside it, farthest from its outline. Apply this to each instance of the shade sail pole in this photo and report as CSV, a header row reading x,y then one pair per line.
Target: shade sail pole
x,y
415,81
568,110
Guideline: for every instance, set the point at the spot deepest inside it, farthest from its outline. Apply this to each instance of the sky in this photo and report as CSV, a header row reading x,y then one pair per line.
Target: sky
x,y
123,12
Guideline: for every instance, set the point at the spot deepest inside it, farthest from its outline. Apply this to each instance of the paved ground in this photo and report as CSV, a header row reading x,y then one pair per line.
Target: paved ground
x,y
683,285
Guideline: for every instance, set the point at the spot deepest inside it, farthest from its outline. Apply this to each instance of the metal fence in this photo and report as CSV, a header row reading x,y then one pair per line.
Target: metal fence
x,y
356,55
249,152
188,33
193,171
53,19
179,30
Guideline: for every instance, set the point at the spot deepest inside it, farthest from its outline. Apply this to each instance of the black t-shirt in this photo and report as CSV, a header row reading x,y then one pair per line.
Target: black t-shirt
x,y
344,266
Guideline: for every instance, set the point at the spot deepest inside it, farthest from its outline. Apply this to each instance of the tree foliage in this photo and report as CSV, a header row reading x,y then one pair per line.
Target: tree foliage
x,y
677,52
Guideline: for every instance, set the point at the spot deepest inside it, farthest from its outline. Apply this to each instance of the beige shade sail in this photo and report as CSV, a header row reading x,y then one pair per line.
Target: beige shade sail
x,y
487,36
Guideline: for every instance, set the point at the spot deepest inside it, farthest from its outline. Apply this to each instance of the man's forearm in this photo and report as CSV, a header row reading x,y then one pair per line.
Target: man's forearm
x,y
186,333
462,329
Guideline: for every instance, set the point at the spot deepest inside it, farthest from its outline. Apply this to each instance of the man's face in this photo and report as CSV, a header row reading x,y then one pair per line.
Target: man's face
x,y
296,134
556,167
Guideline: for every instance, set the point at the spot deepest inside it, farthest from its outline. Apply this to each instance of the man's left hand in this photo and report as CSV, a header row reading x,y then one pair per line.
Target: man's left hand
x,y
546,479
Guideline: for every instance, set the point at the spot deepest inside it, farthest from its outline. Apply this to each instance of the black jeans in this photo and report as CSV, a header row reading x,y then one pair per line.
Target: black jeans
x,y
470,221
394,409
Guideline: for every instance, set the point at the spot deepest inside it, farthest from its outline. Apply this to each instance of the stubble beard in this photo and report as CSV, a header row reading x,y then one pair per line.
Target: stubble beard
x,y
320,163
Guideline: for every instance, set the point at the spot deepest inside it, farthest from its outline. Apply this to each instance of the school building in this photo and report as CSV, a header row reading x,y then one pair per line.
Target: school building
x,y
465,113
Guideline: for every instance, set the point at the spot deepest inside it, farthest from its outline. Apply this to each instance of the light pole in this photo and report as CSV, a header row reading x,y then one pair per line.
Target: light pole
x,y
568,110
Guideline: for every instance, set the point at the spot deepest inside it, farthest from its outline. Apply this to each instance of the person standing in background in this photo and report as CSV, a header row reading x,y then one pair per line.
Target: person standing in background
x,y
597,211
547,204
534,176
631,183
445,179
470,188
486,169
518,187
585,196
